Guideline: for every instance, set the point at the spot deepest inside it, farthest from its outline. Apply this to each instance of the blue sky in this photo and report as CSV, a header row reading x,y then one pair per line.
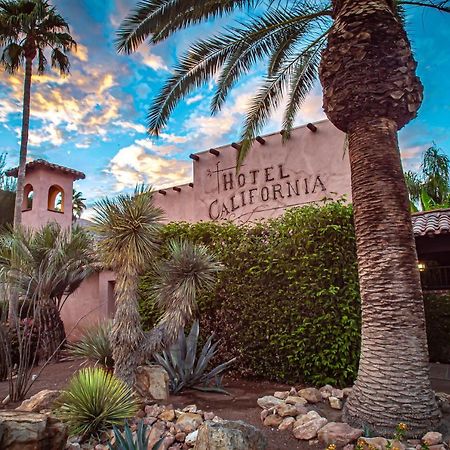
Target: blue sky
x,y
94,120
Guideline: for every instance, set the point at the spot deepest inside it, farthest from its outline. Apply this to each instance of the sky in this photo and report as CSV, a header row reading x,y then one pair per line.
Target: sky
x,y
94,119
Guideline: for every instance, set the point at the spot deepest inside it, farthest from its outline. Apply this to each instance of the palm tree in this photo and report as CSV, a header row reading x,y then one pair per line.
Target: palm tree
x,y
128,229
46,266
363,57
78,204
430,188
27,29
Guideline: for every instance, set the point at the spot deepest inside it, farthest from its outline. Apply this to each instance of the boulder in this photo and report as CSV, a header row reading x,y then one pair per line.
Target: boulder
x,y
152,383
229,435
295,399
285,410
286,424
268,401
42,400
281,394
325,391
272,421
167,415
311,415
335,402
312,395
156,432
309,429
189,422
432,438
191,438
21,430
338,433
338,393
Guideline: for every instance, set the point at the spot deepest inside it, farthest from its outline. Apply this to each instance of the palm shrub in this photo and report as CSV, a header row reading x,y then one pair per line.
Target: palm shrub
x,y
94,401
126,441
95,346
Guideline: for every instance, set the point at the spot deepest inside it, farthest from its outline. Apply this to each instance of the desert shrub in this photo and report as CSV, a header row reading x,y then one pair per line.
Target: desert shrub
x,y
287,304
133,441
95,345
94,401
187,368
437,312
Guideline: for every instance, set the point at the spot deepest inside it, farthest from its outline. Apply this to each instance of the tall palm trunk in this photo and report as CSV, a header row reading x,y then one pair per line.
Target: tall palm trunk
x,y
370,91
127,335
13,295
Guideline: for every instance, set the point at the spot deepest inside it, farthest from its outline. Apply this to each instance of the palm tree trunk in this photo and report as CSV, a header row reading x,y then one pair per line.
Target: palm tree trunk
x,y
370,91
393,380
23,142
13,294
51,330
127,334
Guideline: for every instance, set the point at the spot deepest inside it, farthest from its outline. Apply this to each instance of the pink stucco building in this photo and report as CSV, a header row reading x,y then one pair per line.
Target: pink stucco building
x,y
311,166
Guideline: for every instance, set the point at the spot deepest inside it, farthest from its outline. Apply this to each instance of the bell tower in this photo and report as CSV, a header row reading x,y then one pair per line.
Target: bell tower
x,y
47,193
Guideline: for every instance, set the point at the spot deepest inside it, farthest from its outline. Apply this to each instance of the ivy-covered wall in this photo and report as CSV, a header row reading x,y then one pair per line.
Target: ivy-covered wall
x,y
287,302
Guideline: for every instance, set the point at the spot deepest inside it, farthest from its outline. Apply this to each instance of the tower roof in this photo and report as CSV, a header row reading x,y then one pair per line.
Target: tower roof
x,y
39,163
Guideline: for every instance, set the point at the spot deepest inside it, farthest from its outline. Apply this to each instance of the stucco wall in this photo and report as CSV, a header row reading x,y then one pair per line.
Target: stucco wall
x,y
93,301
309,167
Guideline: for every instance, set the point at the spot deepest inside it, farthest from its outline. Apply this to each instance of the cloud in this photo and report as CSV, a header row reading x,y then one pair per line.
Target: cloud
x,y
138,128
82,53
194,99
151,60
411,156
135,164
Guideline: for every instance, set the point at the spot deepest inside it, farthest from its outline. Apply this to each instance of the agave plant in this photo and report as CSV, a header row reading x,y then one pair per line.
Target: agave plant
x,y
94,401
186,370
125,440
95,346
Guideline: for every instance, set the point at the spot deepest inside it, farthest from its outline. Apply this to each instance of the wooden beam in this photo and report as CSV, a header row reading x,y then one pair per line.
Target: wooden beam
x,y
236,146
194,157
213,151
162,191
260,140
176,188
311,127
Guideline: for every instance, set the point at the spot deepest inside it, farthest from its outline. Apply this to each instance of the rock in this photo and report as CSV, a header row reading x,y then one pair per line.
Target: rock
x,y
437,447
73,446
293,400
293,392
335,402
325,391
264,414
376,443
311,394
285,410
168,415
338,433
191,438
311,415
167,442
432,438
281,395
21,430
41,400
155,434
272,421
268,401
347,391
349,447
309,429
338,393
189,422
153,410
229,435
286,424
190,408
208,415
152,383
180,436
301,410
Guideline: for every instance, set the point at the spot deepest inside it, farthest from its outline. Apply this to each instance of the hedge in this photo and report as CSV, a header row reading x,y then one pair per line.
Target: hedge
x,y
7,200
287,303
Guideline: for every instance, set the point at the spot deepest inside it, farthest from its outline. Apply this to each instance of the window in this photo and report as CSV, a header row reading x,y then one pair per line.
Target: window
x,y
27,203
56,199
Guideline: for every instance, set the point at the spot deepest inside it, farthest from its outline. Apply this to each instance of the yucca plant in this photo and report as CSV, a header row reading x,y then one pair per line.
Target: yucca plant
x,y
186,370
94,401
126,441
95,346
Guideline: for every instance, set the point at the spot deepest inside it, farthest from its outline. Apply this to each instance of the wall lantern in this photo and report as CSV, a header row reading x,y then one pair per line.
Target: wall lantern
x,y
422,266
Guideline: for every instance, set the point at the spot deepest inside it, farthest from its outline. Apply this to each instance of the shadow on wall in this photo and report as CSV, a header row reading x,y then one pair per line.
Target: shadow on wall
x,y
7,200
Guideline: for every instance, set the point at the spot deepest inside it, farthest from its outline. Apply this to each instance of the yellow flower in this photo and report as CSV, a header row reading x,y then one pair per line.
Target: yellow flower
x,y
331,447
395,448
402,426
